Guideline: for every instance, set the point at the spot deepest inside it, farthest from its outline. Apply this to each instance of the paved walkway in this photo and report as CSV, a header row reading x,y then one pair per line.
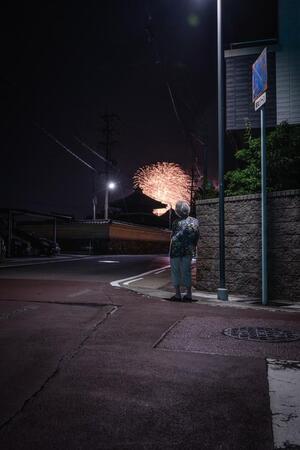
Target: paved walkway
x,y
156,283
90,366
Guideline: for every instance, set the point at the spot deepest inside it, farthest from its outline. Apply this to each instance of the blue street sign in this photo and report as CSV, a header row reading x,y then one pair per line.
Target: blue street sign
x,y
259,76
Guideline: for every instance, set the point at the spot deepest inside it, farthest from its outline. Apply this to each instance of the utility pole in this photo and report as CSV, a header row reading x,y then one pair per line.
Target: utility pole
x,y
222,291
205,178
195,178
108,132
97,187
198,176
192,187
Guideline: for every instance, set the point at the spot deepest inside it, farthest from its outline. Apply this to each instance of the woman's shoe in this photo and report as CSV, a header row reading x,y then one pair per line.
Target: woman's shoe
x,y
175,299
186,299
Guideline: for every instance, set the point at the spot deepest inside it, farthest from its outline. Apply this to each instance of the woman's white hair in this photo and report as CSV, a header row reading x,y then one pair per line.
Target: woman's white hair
x,y
182,208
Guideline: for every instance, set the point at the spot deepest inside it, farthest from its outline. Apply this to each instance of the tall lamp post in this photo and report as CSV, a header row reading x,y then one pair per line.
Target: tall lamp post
x,y
109,187
222,291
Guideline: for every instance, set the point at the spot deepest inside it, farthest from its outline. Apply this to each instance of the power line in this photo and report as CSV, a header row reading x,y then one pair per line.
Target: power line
x,y
174,105
85,145
53,138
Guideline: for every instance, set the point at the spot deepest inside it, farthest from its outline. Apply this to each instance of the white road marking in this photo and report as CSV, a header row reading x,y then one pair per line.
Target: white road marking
x,y
117,282
204,294
132,281
39,263
77,294
284,383
160,271
108,262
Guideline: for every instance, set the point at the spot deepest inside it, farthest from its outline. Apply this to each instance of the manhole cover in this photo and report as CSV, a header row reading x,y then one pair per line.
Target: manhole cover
x,y
261,334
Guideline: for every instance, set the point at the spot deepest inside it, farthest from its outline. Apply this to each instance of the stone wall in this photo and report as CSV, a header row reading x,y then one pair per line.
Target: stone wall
x,y
243,245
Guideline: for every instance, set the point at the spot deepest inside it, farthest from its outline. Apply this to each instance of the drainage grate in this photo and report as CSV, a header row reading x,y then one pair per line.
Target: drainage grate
x,y
261,334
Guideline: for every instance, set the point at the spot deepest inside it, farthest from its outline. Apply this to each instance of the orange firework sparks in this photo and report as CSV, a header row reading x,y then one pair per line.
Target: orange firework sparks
x,y
165,182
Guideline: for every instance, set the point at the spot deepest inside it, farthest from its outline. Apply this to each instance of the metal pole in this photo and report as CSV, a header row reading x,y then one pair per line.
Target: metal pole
x,y
106,203
9,234
192,188
94,207
264,216
54,230
95,198
204,170
222,291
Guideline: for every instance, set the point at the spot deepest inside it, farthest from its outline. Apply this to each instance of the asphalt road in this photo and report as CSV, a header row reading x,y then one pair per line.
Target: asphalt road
x,y
94,268
85,365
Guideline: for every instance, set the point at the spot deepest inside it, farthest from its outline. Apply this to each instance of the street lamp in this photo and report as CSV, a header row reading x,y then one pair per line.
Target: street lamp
x,y
222,291
110,185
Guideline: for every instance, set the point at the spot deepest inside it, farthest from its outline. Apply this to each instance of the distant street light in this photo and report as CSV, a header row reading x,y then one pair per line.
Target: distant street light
x,y
110,186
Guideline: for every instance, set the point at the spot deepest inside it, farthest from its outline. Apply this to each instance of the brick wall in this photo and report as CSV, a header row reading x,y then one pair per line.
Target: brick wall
x,y
243,245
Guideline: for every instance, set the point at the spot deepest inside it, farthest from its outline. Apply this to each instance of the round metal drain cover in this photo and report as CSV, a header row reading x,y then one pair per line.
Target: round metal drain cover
x,y
261,334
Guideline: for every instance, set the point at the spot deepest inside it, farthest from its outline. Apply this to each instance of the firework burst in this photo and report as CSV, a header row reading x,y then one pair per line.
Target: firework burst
x,y
165,182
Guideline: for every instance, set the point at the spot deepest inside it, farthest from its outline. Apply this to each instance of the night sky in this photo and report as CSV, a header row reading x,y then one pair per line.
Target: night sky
x,y
65,63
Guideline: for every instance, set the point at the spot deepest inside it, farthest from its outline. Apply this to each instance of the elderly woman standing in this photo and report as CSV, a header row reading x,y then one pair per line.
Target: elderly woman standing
x,y
184,238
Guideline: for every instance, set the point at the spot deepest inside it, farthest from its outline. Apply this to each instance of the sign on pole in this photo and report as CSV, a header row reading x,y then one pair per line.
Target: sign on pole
x,y
259,76
260,101
259,97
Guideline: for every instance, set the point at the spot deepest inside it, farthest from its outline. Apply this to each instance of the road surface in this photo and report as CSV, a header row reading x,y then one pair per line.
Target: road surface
x,y
92,268
86,365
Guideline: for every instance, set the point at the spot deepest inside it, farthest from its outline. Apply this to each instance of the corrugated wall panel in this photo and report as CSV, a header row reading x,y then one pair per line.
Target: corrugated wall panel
x,y
239,106
288,62
288,86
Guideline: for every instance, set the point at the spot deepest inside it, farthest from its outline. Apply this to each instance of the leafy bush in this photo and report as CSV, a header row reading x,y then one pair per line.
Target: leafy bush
x,y
283,167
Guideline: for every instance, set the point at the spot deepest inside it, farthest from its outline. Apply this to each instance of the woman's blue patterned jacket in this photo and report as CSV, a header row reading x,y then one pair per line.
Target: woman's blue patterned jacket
x,y
184,237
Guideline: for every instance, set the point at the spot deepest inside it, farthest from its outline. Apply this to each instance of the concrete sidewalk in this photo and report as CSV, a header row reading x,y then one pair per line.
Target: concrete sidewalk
x,y
157,284
88,366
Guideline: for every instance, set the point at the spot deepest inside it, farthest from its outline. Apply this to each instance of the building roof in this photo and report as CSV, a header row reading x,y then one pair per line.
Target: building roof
x,y
137,202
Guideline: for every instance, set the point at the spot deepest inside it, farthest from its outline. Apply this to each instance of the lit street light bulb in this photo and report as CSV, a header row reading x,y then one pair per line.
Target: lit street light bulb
x,y
111,185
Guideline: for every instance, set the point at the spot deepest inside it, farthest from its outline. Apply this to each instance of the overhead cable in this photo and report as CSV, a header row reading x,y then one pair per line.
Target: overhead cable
x,y
53,138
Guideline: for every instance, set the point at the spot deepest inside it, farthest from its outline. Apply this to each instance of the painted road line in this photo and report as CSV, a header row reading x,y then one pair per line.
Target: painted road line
x,y
116,283
39,263
108,262
204,294
132,281
284,383
77,294
160,271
